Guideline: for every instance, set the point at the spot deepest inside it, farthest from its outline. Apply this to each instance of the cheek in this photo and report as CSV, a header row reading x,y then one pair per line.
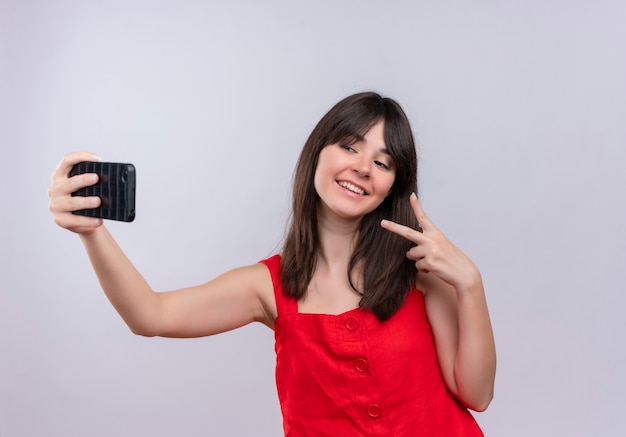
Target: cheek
x,y
323,169
316,182
388,184
317,176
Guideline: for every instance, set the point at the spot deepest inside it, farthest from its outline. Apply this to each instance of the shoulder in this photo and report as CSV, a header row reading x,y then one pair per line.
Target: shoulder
x,y
266,273
255,281
261,277
273,263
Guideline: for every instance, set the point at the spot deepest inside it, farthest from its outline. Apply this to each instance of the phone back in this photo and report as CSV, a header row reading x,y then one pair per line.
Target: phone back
x,y
116,189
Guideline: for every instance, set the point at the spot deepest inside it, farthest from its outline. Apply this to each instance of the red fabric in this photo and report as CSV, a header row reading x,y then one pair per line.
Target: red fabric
x,y
352,375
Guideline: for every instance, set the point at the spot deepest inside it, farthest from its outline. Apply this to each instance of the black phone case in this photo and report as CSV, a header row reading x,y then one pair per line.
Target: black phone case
x,y
116,188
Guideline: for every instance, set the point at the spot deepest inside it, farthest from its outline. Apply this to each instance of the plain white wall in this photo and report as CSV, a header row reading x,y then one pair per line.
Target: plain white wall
x,y
519,109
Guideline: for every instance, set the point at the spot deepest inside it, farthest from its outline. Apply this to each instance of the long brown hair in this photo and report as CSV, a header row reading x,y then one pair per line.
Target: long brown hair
x,y
387,275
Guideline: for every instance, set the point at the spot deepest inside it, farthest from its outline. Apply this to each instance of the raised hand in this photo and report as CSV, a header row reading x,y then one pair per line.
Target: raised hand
x,y
62,203
433,252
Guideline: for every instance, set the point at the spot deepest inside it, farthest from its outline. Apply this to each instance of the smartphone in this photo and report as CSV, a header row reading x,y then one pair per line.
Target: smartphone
x,y
115,187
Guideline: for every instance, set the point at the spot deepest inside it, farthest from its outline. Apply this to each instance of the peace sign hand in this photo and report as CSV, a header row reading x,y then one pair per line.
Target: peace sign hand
x,y
433,252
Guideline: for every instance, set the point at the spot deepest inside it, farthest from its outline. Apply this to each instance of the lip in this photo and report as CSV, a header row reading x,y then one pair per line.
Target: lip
x,y
365,192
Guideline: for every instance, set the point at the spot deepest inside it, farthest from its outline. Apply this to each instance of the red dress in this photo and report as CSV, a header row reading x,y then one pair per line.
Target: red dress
x,y
351,375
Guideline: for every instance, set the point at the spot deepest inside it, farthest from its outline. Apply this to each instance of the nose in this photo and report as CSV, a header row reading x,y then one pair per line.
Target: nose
x,y
362,166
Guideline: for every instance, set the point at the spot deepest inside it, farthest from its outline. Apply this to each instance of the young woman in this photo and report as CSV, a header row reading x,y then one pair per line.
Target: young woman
x,y
381,323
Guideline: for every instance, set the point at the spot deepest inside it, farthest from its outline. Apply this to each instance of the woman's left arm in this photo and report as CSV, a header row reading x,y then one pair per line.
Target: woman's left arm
x,y
457,311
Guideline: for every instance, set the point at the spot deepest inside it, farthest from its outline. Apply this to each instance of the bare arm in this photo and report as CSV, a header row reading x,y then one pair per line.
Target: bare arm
x,y
457,310
229,301
463,338
233,299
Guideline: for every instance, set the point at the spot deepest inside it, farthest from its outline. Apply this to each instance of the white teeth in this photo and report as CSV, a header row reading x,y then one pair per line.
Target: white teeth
x,y
352,188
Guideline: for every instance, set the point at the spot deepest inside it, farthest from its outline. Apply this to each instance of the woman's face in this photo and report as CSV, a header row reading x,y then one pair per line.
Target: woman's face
x,y
353,180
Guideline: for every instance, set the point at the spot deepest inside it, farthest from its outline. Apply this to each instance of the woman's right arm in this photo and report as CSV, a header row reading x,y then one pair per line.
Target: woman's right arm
x,y
233,299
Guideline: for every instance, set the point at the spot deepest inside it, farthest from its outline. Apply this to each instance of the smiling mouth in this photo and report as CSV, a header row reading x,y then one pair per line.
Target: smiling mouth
x,y
351,187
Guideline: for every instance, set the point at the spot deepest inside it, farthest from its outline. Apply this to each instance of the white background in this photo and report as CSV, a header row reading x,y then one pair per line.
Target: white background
x,y
520,113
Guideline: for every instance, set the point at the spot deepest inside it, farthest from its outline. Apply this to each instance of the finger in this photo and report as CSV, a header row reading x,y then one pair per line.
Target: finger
x,y
81,181
64,204
418,256
71,159
77,223
426,265
416,253
420,267
64,185
421,216
75,203
404,231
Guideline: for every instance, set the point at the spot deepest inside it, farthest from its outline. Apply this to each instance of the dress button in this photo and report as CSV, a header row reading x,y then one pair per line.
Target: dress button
x,y
352,323
374,411
361,365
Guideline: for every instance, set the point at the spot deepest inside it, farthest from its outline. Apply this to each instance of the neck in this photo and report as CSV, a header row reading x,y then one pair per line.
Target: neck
x,y
337,238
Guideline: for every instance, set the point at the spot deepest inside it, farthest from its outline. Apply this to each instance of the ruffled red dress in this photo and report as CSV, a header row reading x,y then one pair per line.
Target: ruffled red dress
x,y
351,375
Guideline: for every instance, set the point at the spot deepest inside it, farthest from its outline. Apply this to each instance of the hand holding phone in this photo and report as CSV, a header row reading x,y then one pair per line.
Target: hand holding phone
x,y
115,187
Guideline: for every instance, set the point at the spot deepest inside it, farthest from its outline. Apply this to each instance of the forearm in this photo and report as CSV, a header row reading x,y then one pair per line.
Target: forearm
x,y
122,283
475,361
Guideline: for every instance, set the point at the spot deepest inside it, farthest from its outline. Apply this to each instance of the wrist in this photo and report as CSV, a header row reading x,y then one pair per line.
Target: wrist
x,y
92,234
472,282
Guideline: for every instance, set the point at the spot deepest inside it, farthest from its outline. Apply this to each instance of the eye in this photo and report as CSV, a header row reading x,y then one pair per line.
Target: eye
x,y
347,147
382,164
